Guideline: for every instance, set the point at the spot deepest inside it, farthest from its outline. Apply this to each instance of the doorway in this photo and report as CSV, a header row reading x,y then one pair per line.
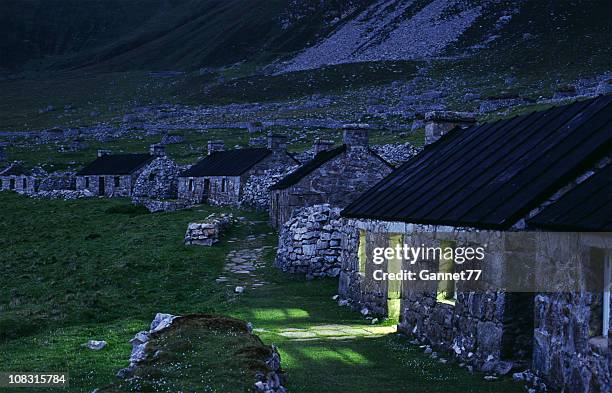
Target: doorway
x,y
101,186
394,287
205,190
518,325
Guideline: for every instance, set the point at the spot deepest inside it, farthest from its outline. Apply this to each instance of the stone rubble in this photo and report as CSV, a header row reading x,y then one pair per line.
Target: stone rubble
x,y
139,343
309,242
207,232
396,153
66,195
58,181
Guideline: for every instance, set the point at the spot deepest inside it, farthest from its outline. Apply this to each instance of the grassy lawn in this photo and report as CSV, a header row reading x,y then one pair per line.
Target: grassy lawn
x,y
94,269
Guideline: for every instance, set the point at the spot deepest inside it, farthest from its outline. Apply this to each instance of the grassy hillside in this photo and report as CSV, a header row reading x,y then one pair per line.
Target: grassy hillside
x,y
34,29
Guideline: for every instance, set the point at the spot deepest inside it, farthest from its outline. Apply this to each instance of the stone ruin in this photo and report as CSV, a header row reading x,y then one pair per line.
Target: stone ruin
x,y
207,232
58,181
256,193
396,153
309,243
156,187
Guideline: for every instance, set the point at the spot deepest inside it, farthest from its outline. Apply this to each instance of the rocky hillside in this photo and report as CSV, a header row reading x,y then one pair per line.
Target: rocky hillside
x,y
293,34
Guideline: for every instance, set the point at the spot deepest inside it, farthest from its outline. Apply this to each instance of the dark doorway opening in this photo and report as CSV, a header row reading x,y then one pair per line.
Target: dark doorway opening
x,y
12,184
101,186
518,325
206,190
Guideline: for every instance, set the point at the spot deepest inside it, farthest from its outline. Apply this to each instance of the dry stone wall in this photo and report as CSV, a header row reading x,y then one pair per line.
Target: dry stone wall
x,y
309,243
207,233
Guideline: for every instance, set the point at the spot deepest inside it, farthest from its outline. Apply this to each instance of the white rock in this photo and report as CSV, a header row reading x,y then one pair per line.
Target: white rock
x,y
239,289
96,345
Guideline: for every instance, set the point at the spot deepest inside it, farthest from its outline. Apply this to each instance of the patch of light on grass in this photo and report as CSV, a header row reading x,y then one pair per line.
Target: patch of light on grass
x,y
344,355
278,313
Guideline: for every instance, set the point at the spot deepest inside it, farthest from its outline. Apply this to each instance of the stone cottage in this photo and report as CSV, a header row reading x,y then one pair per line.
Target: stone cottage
x,y
114,175
335,176
220,177
474,187
20,179
572,336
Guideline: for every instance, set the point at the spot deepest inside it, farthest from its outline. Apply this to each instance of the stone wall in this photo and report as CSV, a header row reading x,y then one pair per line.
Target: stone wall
x,y
570,352
309,243
161,205
23,184
114,186
214,190
474,326
58,181
337,182
256,193
207,232
159,180
565,354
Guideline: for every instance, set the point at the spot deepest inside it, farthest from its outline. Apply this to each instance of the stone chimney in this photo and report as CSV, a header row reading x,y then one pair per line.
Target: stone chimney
x,y
103,152
157,150
217,145
320,145
277,142
355,136
439,123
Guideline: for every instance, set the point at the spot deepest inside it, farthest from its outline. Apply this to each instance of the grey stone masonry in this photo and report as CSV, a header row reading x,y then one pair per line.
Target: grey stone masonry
x,y
207,232
26,182
571,352
475,327
159,180
255,191
438,123
309,243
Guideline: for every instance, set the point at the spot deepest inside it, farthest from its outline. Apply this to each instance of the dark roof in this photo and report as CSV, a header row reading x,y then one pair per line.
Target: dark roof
x,y
491,175
318,160
227,163
116,164
587,207
15,170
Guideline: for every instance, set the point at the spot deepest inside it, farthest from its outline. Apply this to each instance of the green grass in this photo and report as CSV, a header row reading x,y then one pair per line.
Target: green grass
x,y
75,96
92,269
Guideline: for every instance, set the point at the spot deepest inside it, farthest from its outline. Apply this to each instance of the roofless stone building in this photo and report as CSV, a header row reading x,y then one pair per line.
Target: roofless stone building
x,y
21,179
335,176
114,175
219,178
498,185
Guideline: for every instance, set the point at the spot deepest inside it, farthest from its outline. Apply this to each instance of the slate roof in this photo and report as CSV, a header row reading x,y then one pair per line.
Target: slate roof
x,y
587,207
227,163
116,164
318,160
491,175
